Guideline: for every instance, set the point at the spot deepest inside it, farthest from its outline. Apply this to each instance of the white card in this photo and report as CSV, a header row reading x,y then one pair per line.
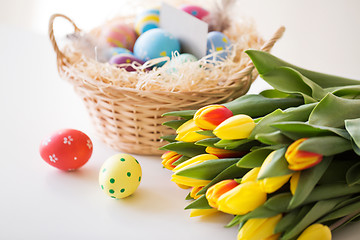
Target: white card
x,y
190,31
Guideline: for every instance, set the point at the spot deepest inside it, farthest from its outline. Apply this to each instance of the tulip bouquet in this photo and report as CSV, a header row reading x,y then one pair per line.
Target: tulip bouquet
x,y
285,163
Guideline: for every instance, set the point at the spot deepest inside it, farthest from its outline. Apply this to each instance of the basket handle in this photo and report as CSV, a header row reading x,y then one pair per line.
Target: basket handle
x,y
60,55
266,47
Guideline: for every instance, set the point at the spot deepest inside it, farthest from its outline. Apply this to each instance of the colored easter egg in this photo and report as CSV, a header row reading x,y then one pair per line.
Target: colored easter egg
x,y
147,20
66,149
178,60
125,59
120,175
196,11
120,35
119,50
218,42
156,43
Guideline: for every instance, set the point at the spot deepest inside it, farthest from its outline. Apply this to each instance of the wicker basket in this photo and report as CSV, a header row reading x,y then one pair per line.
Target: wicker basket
x,y
129,120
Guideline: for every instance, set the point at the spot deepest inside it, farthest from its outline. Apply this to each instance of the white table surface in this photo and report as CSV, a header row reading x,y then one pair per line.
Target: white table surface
x,y
41,202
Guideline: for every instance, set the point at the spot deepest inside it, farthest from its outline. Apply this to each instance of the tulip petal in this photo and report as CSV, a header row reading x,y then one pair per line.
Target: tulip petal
x,y
236,127
202,212
316,231
259,228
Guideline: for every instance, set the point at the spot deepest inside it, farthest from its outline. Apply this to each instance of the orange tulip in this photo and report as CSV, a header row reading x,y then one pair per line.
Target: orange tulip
x,y
300,160
215,191
209,117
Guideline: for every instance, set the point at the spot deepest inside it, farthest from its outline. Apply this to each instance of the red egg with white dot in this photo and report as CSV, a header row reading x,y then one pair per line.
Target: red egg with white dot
x,y
66,149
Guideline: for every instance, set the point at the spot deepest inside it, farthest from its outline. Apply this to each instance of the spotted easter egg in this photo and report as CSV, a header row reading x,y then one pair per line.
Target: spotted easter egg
x,y
120,175
147,20
156,43
196,11
125,60
218,42
66,149
120,35
179,60
119,50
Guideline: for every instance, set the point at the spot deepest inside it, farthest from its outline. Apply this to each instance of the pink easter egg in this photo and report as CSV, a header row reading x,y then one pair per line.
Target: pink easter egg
x,y
196,11
120,35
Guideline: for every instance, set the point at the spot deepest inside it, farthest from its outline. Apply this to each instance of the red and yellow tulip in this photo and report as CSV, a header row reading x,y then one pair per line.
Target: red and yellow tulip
x,y
300,160
215,191
169,157
209,117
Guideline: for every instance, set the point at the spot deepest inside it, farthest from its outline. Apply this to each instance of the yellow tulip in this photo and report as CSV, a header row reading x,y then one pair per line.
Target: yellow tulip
x,y
235,127
194,191
259,229
191,182
294,182
202,212
251,175
211,116
242,199
187,132
300,160
316,231
271,184
218,189
194,161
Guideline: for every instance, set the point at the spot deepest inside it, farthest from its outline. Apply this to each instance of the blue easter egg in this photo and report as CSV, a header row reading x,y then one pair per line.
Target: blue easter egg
x,y
156,43
216,42
147,20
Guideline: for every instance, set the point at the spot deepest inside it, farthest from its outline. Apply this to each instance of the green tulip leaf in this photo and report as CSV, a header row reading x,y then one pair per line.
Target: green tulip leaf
x,y
326,146
279,202
206,133
200,203
174,124
181,160
265,62
188,197
255,105
169,138
277,167
307,181
320,209
207,170
239,145
328,191
260,212
273,138
274,93
353,127
184,148
234,221
300,113
351,92
186,114
229,173
350,208
353,174
290,219
296,130
336,172
208,142
332,111
254,159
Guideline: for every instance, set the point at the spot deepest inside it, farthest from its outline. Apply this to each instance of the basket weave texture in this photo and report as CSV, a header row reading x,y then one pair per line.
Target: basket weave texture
x,y
129,120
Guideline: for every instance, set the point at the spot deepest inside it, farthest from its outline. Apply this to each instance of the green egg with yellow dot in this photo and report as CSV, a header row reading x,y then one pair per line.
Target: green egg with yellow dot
x,y
120,175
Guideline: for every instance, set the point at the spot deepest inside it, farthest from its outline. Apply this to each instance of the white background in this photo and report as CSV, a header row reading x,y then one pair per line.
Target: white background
x,y
40,202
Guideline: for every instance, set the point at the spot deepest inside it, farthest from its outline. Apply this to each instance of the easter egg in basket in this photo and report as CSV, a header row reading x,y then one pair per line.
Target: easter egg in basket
x,y
156,43
218,42
120,35
196,11
124,60
147,20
